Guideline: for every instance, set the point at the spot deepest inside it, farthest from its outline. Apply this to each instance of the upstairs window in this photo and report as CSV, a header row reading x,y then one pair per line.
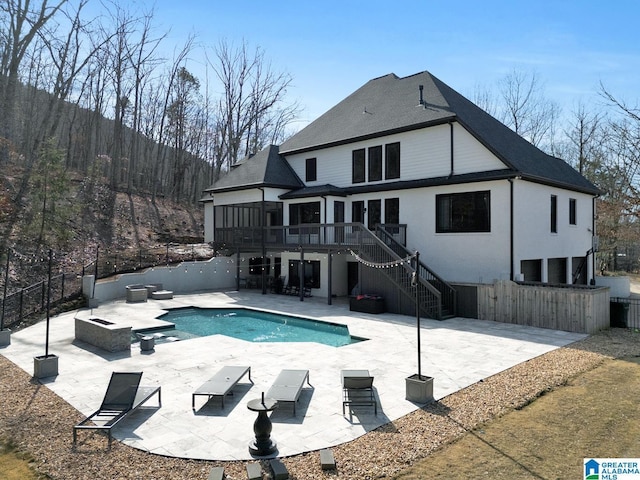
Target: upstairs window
x,y
357,165
554,214
463,212
572,211
392,160
311,173
375,163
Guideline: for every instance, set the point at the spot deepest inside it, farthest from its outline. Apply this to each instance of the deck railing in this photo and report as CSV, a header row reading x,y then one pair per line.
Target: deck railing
x,y
382,250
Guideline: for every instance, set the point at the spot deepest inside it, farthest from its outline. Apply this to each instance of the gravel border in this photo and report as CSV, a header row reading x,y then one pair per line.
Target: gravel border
x,y
40,423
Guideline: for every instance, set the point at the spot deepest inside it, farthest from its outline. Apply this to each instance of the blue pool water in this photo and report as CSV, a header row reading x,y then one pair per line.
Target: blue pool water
x,y
249,325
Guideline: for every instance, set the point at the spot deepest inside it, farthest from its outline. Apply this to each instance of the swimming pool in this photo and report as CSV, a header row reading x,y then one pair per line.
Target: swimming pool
x,y
250,325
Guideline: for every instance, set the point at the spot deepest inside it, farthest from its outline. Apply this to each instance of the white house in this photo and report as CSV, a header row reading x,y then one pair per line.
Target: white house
x,y
404,165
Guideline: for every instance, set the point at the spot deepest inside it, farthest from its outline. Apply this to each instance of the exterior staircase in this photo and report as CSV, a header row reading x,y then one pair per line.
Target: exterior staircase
x,y
414,280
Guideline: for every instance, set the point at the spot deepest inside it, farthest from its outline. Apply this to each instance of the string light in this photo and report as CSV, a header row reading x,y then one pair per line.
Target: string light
x,y
395,263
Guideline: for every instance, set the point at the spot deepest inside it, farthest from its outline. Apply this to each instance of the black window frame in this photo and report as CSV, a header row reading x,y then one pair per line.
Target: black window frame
x,y
358,174
573,211
392,214
311,273
311,170
303,213
256,264
375,163
553,220
358,211
392,161
374,213
466,212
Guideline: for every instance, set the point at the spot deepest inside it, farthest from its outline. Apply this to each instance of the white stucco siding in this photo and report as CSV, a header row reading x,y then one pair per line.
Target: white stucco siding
x,y
338,271
424,153
459,257
533,238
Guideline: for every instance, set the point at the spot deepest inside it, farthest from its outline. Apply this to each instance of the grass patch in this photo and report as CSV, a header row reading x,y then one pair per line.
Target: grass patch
x,y
16,465
593,415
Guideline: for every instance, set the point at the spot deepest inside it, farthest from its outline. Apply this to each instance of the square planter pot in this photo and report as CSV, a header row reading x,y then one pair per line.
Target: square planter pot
x,y
419,389
45,366
5,337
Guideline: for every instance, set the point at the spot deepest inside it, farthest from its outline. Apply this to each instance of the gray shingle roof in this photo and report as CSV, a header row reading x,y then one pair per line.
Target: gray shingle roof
x,y
390,104
266,168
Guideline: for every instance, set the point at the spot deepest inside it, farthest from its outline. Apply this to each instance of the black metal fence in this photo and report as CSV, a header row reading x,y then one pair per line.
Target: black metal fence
x,y
21,302
625,312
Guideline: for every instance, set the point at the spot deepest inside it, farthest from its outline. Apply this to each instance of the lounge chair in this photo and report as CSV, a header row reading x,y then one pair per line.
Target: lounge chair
x,y
156,291
124,394
357,389
288,386
221,383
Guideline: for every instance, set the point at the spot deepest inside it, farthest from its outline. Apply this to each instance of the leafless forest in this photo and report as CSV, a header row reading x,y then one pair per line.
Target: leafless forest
x,y
99,127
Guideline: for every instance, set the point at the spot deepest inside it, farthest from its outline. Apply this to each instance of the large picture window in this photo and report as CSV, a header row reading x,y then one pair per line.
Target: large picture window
x,y
463,212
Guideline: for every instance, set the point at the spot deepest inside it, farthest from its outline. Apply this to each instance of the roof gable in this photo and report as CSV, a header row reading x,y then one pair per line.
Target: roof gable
x,y
390,104
266,168
382,106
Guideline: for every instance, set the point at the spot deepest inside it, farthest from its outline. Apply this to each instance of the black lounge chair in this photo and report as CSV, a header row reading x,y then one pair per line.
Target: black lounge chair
x,y
357,389
124,394
288,386
221,383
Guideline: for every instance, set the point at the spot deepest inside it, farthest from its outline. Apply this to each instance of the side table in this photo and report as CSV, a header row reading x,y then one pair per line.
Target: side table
x,y
262,445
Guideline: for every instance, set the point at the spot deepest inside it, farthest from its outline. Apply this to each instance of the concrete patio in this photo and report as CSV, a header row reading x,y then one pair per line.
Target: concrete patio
x,y
456,352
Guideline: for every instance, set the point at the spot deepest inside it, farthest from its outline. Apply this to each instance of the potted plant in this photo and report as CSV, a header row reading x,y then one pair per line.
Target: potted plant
x,y
46,365
419,388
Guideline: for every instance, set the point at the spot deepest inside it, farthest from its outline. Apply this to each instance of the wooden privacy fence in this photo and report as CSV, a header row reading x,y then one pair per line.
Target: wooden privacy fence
x,y
571,308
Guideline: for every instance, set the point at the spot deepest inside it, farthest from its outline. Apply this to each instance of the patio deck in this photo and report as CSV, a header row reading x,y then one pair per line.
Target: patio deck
x,y
457,353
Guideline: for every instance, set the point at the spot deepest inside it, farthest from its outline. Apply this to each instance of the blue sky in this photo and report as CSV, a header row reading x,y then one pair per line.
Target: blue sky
x,y
331,48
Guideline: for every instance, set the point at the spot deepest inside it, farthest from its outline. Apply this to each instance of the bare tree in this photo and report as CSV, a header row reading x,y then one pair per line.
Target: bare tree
x,y
143,61
182,113
619,206
586,135
251,91
526,109
23,21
